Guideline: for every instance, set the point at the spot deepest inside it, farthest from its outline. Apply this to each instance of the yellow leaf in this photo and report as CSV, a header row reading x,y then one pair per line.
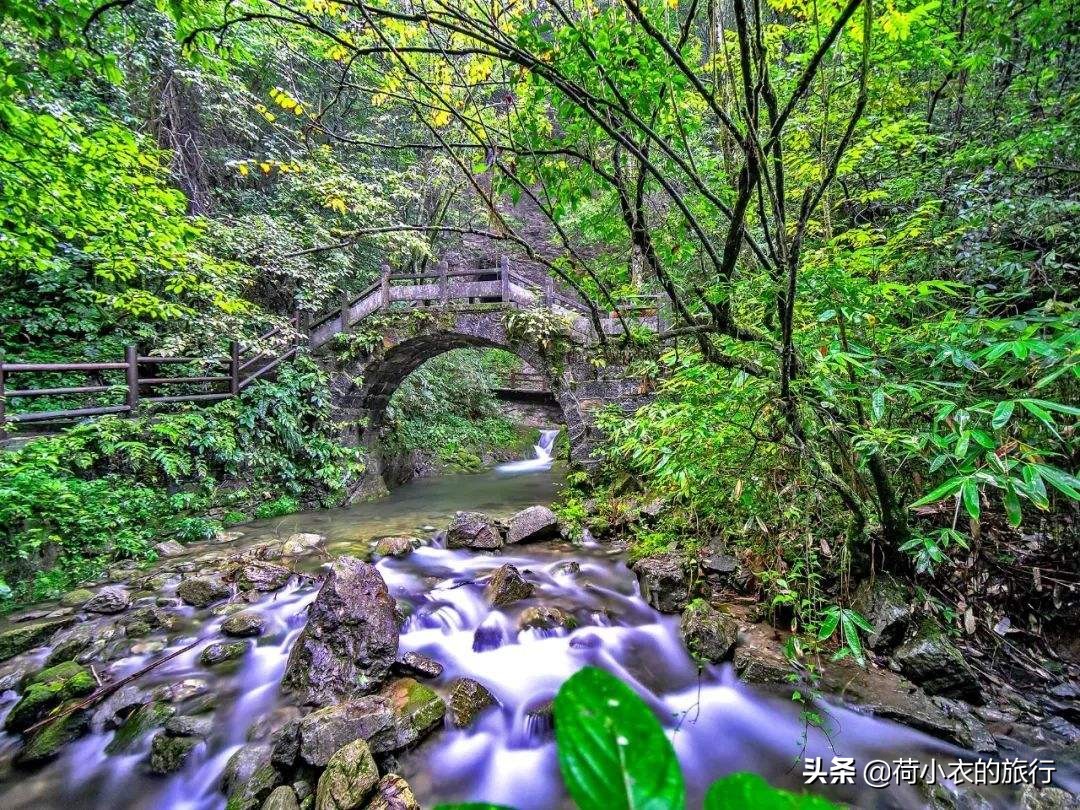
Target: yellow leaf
x,y
243,169
265,167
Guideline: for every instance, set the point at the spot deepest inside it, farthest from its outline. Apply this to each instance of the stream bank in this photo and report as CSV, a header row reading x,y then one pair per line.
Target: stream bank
x,y
479,728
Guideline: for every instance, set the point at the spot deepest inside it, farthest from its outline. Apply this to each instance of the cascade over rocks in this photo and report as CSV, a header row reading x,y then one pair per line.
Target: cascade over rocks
x,y
350,640
533,525
473,530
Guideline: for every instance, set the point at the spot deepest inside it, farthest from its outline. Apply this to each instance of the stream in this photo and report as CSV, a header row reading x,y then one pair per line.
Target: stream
x,y
717,724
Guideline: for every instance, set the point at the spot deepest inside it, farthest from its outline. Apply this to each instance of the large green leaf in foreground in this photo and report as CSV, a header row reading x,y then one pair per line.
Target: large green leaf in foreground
x,y
741,791
613,753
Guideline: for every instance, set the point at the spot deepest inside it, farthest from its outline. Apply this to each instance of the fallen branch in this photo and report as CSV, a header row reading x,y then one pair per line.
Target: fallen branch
x,y
105,691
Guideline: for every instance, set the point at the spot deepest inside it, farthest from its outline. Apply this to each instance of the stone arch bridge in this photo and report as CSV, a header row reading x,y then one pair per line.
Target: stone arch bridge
x,y
403,320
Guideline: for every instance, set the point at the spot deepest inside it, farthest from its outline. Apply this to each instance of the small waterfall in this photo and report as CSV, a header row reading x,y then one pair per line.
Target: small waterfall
x,y
542,455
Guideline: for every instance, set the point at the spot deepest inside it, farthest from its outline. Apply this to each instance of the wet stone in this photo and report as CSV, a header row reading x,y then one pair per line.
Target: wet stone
x,y
282,798
223,651
118,706
543,617
710,634
250,778
301,543
418,664
202,591
109,600
665,583
507,585
932,661
244,624
532,525
26,637
885,604
142,720
322,733
188,726
46,690
349,779
395,546
473,530
467,699
350,640
45,743
168,753
170,548
262,576
393,793
416,710
77,597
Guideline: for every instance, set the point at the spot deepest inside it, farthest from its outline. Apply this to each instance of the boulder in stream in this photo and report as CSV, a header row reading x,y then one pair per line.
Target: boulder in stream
x,y
202,592
282,798
169,548
46,690
26,637
350,640
393,793
250,778
301,543
76,598
321,733
396,546
544,617
256,575
109,600
244,624
665,582
507,585
467,699
416,710
710,634
533,525
169,753
45,743
473,530
221,652
349,779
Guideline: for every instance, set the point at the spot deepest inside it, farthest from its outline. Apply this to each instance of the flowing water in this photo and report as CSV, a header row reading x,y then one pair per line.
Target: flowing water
x,y
508,756
543,456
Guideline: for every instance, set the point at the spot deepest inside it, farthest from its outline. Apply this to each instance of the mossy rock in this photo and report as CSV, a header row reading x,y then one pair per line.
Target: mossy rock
x,y
224,652
349,779
168,754
140,721
26,637
46,742
77,597
47,690
416,710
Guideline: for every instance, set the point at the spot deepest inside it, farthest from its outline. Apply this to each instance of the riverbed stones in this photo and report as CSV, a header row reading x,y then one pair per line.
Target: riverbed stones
x,y
46,690
143,719
72,641
301,543
117,707
350,640
544,617
349,779
45,743
189,726
884,603
202,592
467,699
26,637
393,793
665,582
256,575
416,710
710,634
932,661
76,598
168,753
323,732
169,548
282,798
395,546
507,585
109,601
245,624
418,664
221,652
145,620
473,530
533,525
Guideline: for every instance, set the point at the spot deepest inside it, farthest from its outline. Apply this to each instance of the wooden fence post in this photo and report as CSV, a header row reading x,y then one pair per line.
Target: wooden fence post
x,y
131,358
234,368
504,278
444,282
384,283
345,303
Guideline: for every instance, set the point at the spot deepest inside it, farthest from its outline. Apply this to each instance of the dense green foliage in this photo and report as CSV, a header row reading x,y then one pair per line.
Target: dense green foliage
x,y
108,490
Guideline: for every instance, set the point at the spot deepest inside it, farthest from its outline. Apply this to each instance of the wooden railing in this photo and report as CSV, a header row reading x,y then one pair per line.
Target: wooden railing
x,y
232,374
437,286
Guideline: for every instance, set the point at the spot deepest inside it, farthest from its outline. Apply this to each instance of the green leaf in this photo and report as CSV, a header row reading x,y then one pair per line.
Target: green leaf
x,y
1063,482
743,791
613,753
943,491
828,627
877,404
1002,413
971,497
1012,505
